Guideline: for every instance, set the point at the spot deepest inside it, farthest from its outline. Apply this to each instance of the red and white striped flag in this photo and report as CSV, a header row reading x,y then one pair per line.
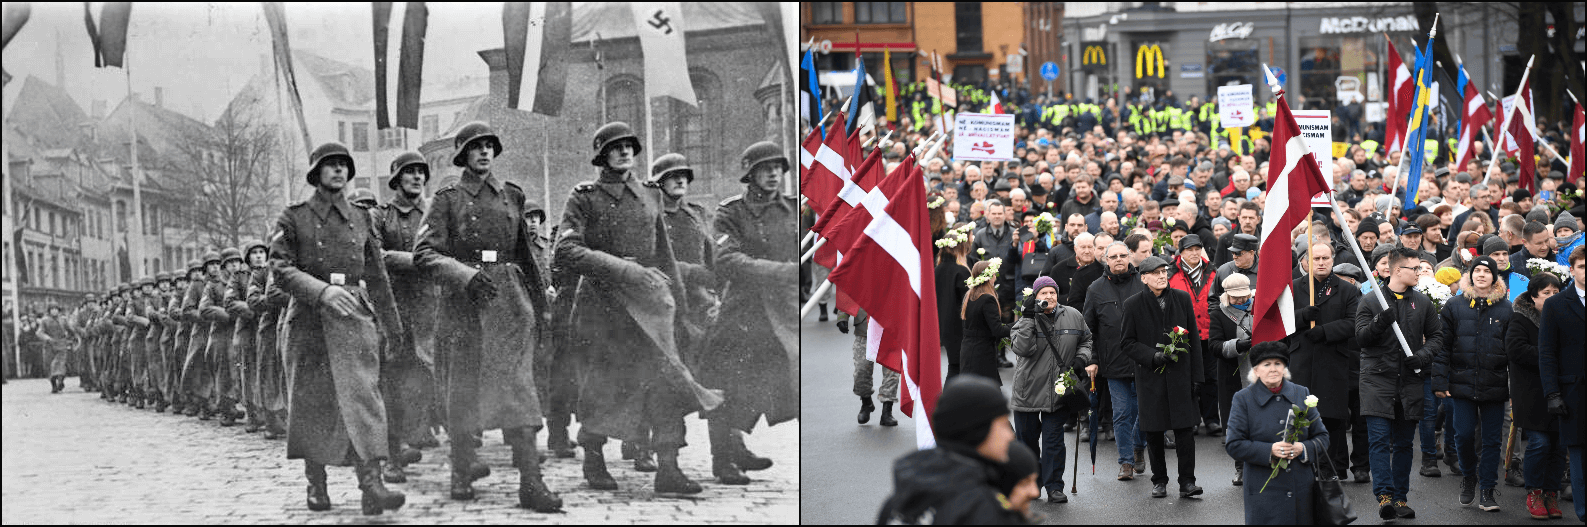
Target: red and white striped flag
x,y
1471,124
888,271
1520,132
824,165
1578,145
866,177
997,105
1293,178
1401,92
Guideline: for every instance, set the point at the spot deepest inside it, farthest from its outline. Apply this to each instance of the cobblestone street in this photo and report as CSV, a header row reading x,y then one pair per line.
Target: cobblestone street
x,y
72,458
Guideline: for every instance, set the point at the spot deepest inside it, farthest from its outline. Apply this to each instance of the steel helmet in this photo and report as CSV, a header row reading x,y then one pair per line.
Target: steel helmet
x,y
362,198
250,245
402,161
327,151
474,131
90,297
531,207
147,281
212,256
762,152
670,165
610,134
165,277
230,253
194,265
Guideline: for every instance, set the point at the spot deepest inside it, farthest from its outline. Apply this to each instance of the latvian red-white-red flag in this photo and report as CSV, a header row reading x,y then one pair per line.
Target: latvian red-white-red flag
x,y
1293,178
1578,145
888,271
1401,92
997,105
866,177
1476,116
1519,130
823,166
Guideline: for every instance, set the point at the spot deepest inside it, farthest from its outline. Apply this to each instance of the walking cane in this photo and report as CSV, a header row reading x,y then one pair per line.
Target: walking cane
x,y
1076,475
1509,446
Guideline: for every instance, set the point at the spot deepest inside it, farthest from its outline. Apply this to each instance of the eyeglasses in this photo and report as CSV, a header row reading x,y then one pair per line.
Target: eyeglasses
x,y
1411,267
1118,256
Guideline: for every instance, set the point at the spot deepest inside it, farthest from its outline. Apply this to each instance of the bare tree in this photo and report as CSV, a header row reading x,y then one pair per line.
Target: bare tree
x,y
225,172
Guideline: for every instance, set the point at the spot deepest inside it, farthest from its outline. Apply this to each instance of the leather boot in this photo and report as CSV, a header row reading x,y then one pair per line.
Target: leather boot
x,y
227,416
1430,467
628,449
275,425
463,461
747,460
823,306
532,491
887,415
392,472
557,440
595,463
1140,460
670,478
722,450
319,499
376,497
866,407
1239,473
255,421
644,459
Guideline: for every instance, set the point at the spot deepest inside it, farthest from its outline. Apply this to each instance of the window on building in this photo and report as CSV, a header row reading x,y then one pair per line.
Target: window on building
x,y
429,126
967,18
1319,67
121,216
699,130
1231,63
341,132
360,137
52,225
883,12
826,12
624,97
390,138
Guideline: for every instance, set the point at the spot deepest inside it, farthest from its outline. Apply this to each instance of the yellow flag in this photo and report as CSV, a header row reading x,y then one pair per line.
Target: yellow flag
x,y
1340,149
892,95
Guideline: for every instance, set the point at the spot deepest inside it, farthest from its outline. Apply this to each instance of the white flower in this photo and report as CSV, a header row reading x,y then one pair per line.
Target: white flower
x,y
981,251
1311,401
1027,292
1059,388
1168,221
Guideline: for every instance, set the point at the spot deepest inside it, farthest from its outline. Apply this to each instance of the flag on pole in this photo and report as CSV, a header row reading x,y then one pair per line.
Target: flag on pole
x,y
1416,129
1476,116
1293,178
1446,102
825,167
660,26
810,92
892,89
1520,129
275,16
1578,145
109,38
996,106
862,108
888,271
537,37
16,16
830,254
1401,90
382,16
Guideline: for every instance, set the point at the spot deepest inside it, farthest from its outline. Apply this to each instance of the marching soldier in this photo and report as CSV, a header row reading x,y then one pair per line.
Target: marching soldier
x,y
327,256
631,378
58,340
184,379
83,325
154,356
754,352
137,342
245,357
362,198
168,366
475,245
197,374
211,306
406,372
266,301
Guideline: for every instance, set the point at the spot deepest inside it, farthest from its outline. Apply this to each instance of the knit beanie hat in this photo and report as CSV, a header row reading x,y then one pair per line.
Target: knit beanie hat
x,y
1366,226
1449,275
1538,214
1485,261
1494,244
1565,219
966,408
1021,464
1044,281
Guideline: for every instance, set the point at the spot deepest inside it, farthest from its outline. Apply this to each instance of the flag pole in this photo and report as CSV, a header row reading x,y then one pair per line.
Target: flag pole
x,y
1405,150
1494,160
1311,275
815,298
1377,289
134,246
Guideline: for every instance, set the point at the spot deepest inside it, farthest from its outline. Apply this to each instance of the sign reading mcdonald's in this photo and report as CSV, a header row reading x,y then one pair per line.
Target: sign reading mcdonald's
x,y
1094,56
1148,57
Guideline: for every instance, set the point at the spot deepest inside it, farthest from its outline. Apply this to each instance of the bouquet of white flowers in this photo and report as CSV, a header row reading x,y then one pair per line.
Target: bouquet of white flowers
x,y
1435,291
1539,265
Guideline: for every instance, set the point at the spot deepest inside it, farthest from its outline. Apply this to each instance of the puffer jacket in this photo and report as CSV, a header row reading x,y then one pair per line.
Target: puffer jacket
x,y
1471,364
1040,364
1104,313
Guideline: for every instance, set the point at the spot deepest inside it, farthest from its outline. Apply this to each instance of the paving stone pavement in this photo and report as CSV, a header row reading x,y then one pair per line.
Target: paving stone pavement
x,y
72,458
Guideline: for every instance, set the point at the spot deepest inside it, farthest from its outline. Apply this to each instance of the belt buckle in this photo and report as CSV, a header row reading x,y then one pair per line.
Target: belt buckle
x,y
487,256
338,279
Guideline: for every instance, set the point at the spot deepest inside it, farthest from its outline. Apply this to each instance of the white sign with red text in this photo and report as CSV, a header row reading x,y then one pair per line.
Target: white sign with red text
x,y
983,136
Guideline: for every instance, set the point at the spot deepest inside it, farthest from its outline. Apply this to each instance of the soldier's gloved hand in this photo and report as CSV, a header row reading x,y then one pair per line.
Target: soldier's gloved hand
x,y
338,300
481,289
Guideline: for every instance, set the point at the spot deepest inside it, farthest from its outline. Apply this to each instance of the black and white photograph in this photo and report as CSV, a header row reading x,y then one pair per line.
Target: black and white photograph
x,y
485,262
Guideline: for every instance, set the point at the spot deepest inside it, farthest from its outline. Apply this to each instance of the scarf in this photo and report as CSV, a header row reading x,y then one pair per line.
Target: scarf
x,y
1194,274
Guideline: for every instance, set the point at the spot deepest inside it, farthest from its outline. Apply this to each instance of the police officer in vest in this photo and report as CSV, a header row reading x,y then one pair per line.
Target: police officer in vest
x,y
475,246
327,256
406,373
753,354
622,334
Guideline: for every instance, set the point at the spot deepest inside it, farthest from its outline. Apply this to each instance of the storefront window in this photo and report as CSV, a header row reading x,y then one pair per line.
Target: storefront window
x,y
1232,63
1319,66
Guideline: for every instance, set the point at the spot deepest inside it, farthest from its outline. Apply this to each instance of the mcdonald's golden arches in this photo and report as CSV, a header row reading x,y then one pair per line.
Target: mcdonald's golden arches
x,y
1143,56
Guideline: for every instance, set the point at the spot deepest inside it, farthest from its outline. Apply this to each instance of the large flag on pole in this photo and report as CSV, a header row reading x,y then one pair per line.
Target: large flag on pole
x,y
1401,90
862,108
888,271
1416,129
1476,116
537,36
854,190
1519,128
275,15
660,26
1293,178
415,21
16,16
810,92
1578,145
109,38
891,88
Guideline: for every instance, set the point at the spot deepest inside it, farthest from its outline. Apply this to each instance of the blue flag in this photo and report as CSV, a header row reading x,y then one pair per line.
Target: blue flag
x,y
1460,87
1417,131
861,100
810,92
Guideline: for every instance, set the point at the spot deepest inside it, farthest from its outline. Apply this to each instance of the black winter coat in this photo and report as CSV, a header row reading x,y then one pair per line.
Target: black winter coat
x,y
1389,386
946,486
1325,366
1472,364
1081,282
1560,360
1167,399
1529,402
1104,312
983,328
950,296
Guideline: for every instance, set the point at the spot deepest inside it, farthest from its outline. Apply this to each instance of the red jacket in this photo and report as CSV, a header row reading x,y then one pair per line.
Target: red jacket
x,y
1178,279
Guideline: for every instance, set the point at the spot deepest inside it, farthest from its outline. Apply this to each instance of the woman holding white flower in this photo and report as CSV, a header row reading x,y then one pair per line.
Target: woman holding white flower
x,y
983,323
1263,434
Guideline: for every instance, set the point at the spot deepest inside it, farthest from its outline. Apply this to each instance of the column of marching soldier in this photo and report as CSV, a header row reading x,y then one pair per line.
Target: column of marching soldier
x,y
357,328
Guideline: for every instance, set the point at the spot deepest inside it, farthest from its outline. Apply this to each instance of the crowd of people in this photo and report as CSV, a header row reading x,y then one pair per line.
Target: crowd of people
x,y
1115,224
360,329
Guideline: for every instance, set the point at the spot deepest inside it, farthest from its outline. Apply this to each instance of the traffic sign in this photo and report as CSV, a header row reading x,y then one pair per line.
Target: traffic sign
x,y
1049,71
1279,73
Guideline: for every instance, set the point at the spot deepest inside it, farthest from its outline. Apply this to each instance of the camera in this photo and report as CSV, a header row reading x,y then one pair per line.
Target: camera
x,y
1042,304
